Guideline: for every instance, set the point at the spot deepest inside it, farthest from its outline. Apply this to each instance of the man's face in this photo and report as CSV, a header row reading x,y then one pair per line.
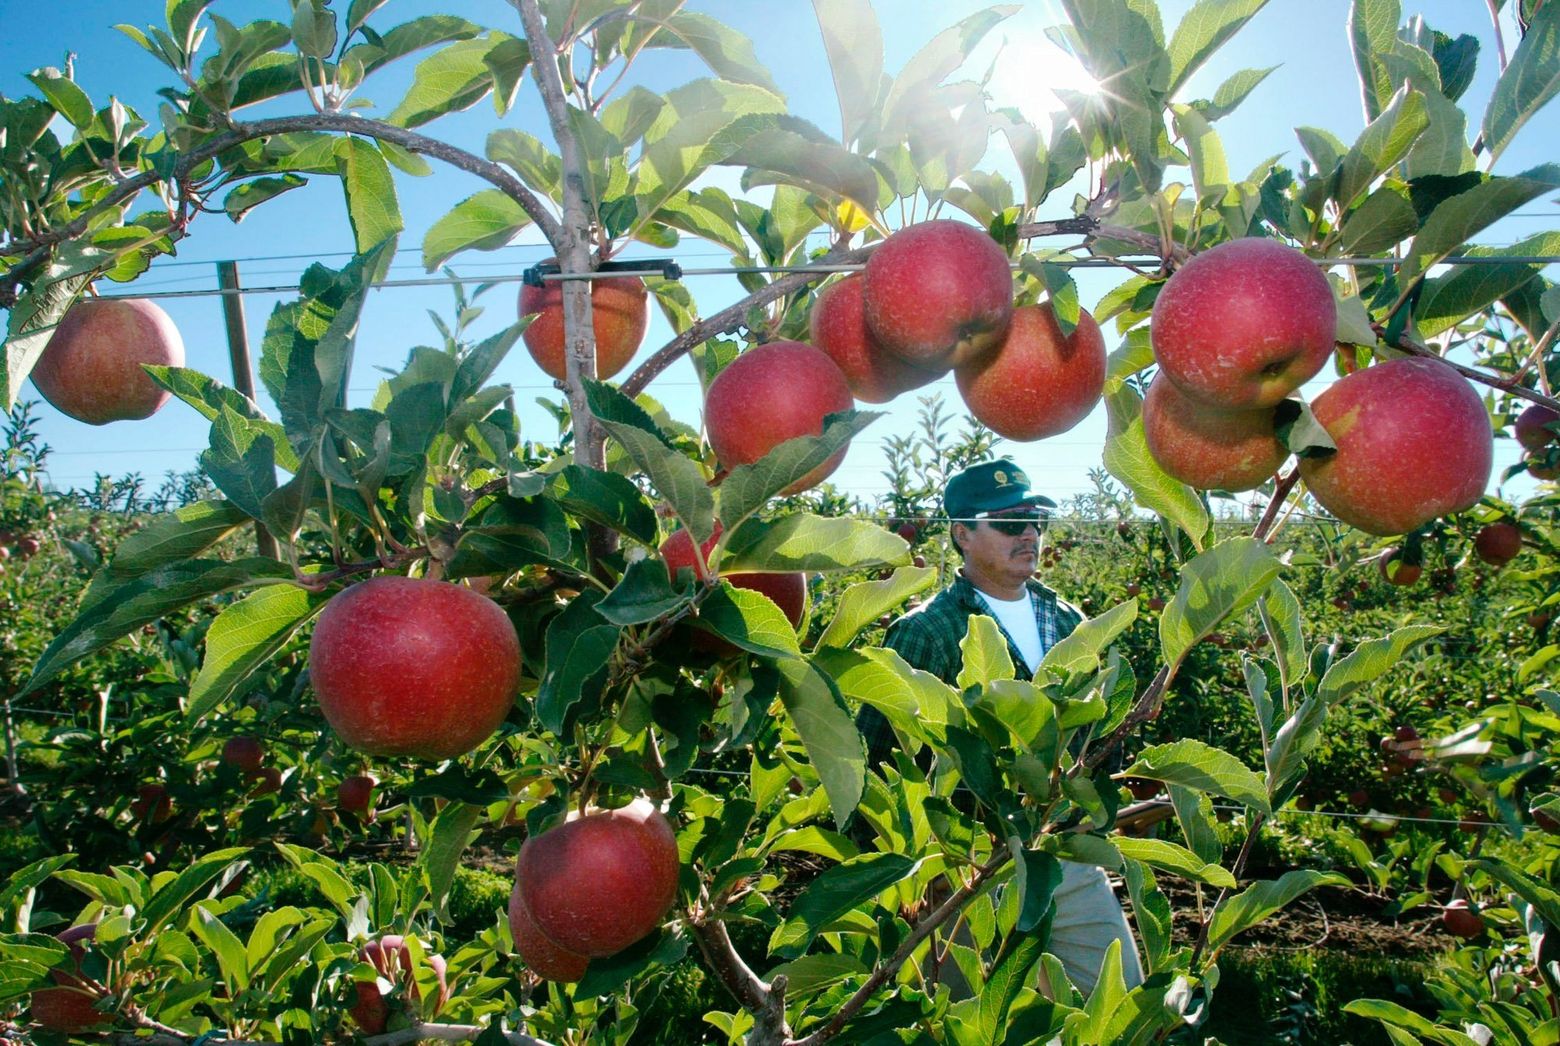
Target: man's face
x,y
1004,547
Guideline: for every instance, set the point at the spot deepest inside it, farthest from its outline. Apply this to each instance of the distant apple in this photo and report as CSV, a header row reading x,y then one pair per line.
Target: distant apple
x,y
1460,920
1498,543
788,591
599,882
1414,444
391,958
91,367
620,313
1036,383
543,957
1244,324
1396,570
410,666
267,781
244,753
772,393
1533,427
355,795
152,803
938,294
1209,448
838,326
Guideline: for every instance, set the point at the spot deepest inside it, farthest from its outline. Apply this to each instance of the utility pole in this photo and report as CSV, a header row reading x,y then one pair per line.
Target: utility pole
x,y
243,368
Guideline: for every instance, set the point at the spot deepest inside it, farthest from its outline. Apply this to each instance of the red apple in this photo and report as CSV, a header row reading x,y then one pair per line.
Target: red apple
x,y
1460,920
245,753
772,393
409,666
1414,443
1540,467
787,591
543,957
152,803
620,312
1206,447
1037,383
267,781
1532,427
355,795
1396,570
599,882
69,1008
838,326
27,546
938,294
1244,324
1498,543
91,367
391,957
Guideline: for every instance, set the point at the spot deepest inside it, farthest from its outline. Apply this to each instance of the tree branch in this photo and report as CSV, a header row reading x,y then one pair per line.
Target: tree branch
x,y
766,1002
1146,709
1506,385
733,316
217,144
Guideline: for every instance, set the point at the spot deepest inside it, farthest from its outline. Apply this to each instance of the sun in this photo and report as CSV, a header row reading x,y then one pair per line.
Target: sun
x,y
1027,73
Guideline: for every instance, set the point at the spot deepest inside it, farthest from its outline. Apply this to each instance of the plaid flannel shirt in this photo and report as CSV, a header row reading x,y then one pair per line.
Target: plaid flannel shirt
x,y
928,638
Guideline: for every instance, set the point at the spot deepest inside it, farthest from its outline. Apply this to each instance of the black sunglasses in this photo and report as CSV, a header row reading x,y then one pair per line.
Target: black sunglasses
x,y
1013,526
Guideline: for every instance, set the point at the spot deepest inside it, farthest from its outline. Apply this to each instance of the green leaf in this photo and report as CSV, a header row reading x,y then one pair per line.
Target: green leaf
x,y
241,461
853,42
984,650
909,698
1457,219
644,594
370,189
1233,91
866,601
243,198
244,637
1127,458
811,543
1528,83
411,36
749,620
727,52
1383,143
835,892
114,609
707,213
1177,860
579,642
1280,612
453,78
537,166
168,898
31,322
1203,30
1205,153
231,957
747,487
68,99
1468,289
1541,895
935,62
1222,581
1150,914
1373,28
791,151
828,733
1370,661
1392,1014
676,477
1190,763
484,221
1036,875
176,536
811,973
1081,650
1383,219
451,831
606,498
1259,900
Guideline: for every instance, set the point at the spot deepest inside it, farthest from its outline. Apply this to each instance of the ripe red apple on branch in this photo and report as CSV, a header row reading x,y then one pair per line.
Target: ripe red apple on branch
x,y
411,667
69,1008
355,795
838,326
938,294
391,958
1037,383
244,753
1533,429
1414,443
788,591
1397,569
772,393
1498,543
599,882
1244,324
1206,447
620,313
91,367
542,956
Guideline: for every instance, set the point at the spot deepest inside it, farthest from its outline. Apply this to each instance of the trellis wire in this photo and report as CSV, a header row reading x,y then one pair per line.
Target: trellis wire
x,y
734,270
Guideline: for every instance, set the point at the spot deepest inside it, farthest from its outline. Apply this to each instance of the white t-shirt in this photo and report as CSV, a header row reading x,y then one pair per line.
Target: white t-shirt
x,y
1017,618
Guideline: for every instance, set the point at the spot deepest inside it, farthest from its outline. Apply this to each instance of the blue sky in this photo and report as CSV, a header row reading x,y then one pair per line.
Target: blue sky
x,y
1315,85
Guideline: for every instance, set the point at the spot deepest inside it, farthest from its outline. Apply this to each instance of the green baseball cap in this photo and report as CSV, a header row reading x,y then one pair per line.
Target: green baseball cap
x,y
991,486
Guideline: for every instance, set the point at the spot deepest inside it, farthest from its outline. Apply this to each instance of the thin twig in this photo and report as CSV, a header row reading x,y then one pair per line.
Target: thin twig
x,y
1506,385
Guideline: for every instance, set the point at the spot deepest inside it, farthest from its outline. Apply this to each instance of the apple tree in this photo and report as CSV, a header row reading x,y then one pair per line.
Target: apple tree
x,y
632,679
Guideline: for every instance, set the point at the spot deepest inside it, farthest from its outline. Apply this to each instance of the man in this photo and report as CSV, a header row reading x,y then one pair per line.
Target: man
x,y
996,525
